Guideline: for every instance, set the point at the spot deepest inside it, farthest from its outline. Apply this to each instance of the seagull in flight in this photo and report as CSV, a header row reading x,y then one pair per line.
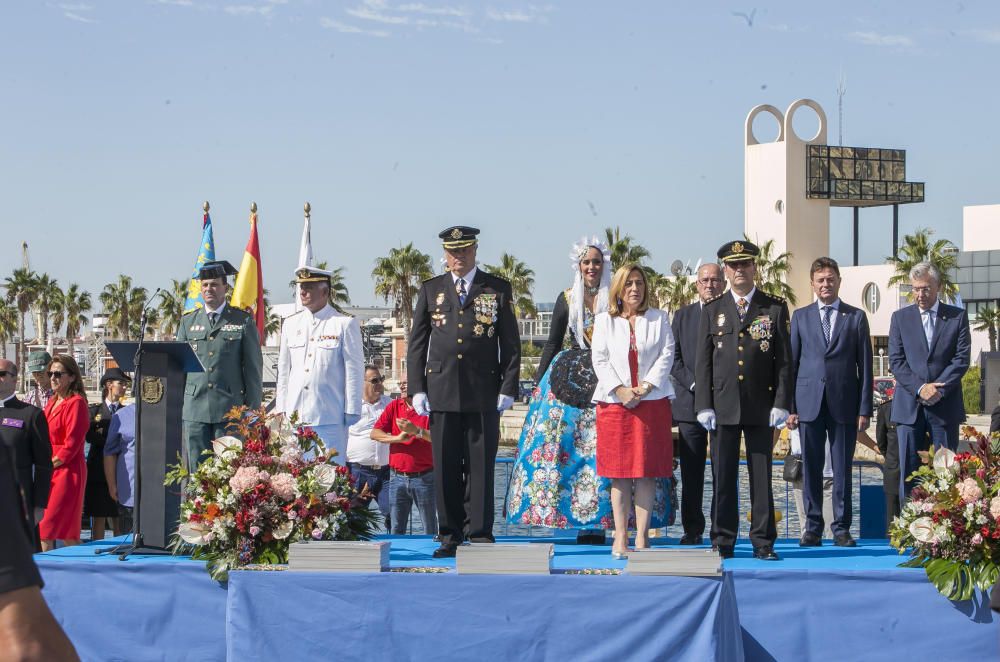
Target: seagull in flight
x,y
746,17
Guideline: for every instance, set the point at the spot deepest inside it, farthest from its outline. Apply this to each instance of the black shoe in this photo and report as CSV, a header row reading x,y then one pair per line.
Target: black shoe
x,y
844,540
590,538
690,539
765,553
725,551
483,539
810,539
445,552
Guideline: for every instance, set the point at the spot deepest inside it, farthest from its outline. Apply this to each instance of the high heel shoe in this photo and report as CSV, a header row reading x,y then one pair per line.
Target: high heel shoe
x,y
619,556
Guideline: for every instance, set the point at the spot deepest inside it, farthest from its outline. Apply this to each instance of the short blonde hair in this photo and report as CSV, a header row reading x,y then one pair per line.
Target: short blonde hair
x,y
618,287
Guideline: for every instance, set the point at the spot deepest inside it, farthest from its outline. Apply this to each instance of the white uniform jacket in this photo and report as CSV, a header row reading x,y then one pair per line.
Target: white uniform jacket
x,y
321,367
655,347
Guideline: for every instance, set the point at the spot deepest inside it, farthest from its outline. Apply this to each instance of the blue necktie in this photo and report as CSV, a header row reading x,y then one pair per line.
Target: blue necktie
x,y
929,326
461,291
827,314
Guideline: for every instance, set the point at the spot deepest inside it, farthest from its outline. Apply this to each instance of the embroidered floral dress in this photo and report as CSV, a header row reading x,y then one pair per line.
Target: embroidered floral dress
x,y
554,482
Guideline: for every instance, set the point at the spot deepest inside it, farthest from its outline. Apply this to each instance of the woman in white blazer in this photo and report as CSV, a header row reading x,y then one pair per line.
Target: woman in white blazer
x,y
633,350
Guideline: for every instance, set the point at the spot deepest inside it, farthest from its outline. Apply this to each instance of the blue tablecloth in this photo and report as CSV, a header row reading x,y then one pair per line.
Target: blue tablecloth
x,y
402,616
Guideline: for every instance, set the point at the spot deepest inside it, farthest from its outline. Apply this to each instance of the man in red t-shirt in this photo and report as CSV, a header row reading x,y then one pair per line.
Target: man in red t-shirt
x,y
410,462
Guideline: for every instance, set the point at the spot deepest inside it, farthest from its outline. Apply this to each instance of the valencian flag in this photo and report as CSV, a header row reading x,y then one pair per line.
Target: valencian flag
x,y
206,253
248,292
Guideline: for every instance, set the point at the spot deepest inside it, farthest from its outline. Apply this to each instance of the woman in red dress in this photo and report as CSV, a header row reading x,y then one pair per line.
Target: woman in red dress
x,y
69,420
633,349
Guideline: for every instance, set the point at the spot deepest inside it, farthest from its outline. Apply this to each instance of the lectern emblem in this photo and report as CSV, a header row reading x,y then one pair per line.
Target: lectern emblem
x,y
152,390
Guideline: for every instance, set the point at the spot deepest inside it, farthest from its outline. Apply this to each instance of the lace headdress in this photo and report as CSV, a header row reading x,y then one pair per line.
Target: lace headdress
x,y
576,299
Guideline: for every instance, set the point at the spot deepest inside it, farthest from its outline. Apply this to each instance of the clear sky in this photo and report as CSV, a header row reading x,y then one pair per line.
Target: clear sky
x,y
535,122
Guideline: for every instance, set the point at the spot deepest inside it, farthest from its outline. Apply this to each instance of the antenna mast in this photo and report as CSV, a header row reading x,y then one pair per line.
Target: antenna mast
x,y
841,91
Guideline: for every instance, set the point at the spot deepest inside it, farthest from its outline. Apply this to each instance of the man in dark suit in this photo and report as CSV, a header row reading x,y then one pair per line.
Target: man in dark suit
x,y
463,362
25,432
929,348
743,378
832,366
692,444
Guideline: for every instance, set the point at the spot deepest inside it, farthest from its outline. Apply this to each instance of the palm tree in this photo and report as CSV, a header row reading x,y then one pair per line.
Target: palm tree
x,y
676,292
772,271
8,325
123,305
398,277
171,307
21,292
918,247
988,320
339,296
623,250
75,302
48,298
522,280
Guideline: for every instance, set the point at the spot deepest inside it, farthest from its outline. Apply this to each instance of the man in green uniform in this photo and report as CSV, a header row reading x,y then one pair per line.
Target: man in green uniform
x,y
226,341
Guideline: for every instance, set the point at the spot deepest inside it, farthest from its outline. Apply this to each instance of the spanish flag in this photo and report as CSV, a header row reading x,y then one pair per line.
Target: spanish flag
x,y
248,292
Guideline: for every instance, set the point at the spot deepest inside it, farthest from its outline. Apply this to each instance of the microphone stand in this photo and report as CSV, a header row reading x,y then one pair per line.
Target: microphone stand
x,y
125,548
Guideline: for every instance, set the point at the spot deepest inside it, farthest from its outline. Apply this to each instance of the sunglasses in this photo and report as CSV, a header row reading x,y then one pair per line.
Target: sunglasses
x,y
376,380
55,374
7,373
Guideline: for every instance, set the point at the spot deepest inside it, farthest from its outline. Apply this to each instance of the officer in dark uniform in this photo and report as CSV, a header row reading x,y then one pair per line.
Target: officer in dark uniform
x,y
463,364
743,368
226,341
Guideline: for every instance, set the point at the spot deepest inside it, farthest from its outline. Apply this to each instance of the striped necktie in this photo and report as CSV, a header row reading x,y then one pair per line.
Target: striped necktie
x,y
461,291
741,307
827,313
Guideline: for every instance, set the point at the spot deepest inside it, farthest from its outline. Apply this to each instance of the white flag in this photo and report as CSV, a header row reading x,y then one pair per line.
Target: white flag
x,y
306,249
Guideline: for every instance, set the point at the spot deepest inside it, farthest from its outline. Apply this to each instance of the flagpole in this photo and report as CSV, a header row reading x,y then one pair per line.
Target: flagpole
x,y
305,250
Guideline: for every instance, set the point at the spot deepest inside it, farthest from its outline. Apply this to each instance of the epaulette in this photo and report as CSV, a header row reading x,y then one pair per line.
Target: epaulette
x,y
715,298
188,312
499,278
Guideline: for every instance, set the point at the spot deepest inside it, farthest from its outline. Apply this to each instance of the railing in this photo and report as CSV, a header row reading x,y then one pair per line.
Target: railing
x,y
789,507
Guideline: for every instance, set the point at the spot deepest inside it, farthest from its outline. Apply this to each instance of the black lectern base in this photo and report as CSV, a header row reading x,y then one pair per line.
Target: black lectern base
x,y
128,548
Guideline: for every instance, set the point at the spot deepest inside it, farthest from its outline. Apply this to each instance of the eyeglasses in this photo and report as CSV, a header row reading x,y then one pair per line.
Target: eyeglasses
x,y
709,281
7,373
55,374
375,380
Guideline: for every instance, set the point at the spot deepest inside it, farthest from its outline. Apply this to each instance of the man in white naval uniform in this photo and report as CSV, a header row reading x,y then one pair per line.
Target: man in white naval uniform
x,y
321,364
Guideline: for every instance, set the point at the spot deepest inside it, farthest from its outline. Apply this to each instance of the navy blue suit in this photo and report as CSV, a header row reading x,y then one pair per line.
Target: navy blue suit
x,y
914,364
833,387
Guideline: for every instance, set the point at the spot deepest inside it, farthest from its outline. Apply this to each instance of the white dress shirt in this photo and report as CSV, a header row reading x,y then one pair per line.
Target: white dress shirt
x,y
833,315
320,367
361,448
748,296
467,278
928,318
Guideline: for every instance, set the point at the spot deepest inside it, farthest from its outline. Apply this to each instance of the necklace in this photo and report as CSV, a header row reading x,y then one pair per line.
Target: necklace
x,y
592,291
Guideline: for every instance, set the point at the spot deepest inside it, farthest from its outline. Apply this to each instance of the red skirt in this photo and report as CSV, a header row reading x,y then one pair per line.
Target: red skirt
x,y
635,443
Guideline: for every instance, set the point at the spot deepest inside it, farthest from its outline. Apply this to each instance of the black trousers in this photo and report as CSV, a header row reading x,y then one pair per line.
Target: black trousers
x,y
842,438
759,440
692,448
464,445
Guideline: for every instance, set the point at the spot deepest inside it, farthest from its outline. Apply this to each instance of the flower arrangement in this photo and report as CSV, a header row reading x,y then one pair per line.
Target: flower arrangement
x,y
951,523
248,500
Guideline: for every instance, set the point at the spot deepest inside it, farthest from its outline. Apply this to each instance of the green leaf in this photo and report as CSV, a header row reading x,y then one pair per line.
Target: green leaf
x,y
919,561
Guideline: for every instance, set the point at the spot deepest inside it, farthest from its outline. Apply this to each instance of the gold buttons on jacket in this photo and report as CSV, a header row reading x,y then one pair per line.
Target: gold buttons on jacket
x,y
741,378
459,356
460,341
739,363
740,348
460,325
741,334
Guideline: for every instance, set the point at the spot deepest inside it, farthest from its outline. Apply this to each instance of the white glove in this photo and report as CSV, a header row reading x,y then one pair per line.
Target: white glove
x,y
707,419
778,417
504,402
420,404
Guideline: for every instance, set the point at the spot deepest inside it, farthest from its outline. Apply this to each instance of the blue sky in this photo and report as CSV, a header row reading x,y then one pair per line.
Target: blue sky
x,y
535,122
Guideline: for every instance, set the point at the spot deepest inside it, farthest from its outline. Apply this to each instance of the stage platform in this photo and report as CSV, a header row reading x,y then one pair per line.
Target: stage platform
x,y
824,603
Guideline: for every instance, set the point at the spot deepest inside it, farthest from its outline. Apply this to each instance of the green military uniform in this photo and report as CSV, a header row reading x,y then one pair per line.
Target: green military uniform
x,y
230,352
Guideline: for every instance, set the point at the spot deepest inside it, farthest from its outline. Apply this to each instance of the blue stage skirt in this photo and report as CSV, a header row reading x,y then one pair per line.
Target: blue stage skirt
x,y
554,483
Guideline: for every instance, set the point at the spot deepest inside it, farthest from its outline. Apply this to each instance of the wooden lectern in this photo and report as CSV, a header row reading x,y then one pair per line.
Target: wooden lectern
x,y
159,400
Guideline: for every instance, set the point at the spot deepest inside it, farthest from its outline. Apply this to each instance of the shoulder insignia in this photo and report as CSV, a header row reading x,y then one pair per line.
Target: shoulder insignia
x,y
716,298
191,312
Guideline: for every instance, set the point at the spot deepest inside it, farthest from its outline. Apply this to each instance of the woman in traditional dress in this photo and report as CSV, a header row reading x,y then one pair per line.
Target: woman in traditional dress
x,y
69,420
633,354
554,483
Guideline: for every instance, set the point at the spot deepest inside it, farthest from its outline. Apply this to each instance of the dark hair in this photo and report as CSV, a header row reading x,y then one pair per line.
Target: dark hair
x,y
69,364
821,263
372,367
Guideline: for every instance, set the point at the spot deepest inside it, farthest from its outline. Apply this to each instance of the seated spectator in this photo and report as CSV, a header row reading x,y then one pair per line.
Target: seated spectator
x,y
367,459
410,462
119,465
